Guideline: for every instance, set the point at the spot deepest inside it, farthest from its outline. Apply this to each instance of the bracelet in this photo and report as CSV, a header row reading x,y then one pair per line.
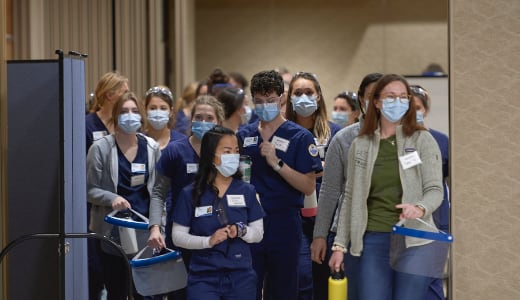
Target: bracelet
x,y
421,208
338,248
155,225
241,229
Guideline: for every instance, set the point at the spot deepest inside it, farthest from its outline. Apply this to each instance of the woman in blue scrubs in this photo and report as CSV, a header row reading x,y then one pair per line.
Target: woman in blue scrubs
x,y
306,107
178,165
441,216
159,104
217,217
120,175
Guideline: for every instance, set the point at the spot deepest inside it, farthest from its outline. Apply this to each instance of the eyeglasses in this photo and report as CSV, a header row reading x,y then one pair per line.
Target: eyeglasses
x,y
157,90
393,98
270,100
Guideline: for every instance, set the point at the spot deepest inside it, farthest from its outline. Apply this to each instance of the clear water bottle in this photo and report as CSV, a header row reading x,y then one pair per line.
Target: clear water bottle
x,y
245,167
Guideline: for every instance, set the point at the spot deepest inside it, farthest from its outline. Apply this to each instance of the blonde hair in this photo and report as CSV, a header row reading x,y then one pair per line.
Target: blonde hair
x,y
109,83
189,93
213,102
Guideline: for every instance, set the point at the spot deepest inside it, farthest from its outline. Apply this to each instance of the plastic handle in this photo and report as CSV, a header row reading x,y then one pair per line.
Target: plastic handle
x,y
436,236
129,223
137,262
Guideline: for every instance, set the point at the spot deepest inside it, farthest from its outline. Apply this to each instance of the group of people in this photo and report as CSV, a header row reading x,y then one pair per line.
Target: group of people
x,y
322,195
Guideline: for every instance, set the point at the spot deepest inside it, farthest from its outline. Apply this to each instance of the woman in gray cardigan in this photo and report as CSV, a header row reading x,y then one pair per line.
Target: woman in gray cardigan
x,y
120,175
394,172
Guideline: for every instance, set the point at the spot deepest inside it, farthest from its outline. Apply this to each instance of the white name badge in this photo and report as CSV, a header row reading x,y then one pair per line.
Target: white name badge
x,y
192,168
96,135
236,200
250,141
280,144
409,160
203,211
137,180
138,168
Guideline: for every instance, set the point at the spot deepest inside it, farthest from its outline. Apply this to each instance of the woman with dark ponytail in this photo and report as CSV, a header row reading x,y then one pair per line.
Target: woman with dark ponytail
x,y
217,217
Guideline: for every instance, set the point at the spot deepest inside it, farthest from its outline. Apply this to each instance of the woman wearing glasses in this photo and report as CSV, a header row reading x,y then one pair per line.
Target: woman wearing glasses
x,y
217,217
395,173
159,104
346,109
306,107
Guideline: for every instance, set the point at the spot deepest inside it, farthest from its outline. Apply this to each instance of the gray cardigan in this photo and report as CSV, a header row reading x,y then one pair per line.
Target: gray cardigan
x,y
102,178
421,184
334,178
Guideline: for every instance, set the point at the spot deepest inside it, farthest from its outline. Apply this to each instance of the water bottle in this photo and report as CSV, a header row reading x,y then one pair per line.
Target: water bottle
x,y
337,286
310,205
245,167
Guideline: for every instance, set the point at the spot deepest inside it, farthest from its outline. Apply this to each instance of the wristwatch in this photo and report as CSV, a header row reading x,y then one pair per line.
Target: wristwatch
x,y
279,165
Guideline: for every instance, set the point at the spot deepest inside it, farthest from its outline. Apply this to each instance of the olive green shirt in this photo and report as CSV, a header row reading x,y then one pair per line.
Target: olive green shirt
x,y
385,188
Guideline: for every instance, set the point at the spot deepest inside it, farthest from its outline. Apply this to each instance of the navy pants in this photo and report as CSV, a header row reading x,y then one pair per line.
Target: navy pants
x,y
230,285
276,257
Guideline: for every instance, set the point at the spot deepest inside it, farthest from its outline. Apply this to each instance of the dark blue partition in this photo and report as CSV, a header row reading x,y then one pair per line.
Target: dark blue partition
x,y
46,177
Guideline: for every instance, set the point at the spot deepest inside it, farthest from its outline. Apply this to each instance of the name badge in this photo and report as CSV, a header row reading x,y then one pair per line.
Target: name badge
x,y
192,168
203,211
138,168
280,143
236,200
137,180
409,160
250,141
96,135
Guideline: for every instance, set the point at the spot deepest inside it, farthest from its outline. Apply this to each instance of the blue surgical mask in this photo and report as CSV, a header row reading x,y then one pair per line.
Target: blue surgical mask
x,y
267,111
340,118
228,164
158,118
129,122
199,128
394,111
304,105
419,117
247,115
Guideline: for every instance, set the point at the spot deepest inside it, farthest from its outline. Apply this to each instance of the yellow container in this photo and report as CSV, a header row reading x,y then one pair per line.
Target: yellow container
x,y
337,286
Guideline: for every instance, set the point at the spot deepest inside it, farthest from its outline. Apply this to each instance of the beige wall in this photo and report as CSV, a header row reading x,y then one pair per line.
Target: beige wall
x,y
485,76
340,41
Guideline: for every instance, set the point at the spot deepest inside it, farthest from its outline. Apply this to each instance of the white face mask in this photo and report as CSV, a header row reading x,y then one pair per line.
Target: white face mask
x,y
228,164
158,118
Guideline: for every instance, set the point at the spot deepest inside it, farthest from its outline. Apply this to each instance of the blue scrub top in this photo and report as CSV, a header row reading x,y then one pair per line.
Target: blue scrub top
x,y
441,216
95,129
137,195
179,162
182,123
232,254
334,128
295,148
174,135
